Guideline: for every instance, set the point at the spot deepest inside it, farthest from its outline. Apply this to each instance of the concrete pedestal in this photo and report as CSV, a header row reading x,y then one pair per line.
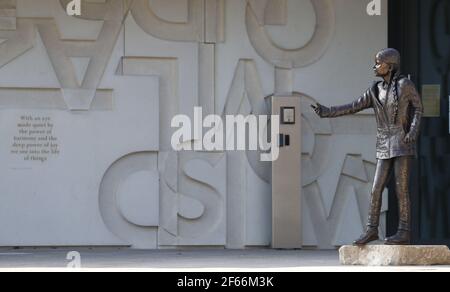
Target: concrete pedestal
x,y
385,255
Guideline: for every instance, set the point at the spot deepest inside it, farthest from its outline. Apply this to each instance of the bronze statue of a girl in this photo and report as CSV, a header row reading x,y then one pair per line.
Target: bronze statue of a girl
x,y
398,111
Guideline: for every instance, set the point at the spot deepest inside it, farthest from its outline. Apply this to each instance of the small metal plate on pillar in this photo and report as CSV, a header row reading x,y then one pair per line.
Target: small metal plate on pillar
x,y
431,98
286,176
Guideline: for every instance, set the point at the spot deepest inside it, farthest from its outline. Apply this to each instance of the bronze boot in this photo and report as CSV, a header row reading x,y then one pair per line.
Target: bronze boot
x,y
370,235
402,237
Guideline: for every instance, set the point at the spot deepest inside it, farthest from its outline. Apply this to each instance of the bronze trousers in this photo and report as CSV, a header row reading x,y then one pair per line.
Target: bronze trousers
x,y
401,167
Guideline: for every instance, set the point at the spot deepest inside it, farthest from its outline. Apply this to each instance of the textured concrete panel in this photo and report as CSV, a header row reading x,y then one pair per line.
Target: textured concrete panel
x,y
236,202
138,198
113,78
191,31
47,209
258,214
300,57
8,13
17,42
283,81
80,65
7,19
168,167
354,167
350,225
269,12
206,184
199,202
8,4
49,98
189,209
176,11
206,78
214,21
276,12
246,89
167,69
112,207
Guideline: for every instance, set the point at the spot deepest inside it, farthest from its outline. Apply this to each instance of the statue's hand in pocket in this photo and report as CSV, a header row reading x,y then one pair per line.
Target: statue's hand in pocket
x,y
409,138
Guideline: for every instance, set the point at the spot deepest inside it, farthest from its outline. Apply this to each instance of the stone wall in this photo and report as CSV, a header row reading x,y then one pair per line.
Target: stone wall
x,y
86,104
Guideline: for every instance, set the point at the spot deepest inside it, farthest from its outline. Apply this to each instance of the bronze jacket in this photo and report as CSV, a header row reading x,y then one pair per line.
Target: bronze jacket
x,y
394,119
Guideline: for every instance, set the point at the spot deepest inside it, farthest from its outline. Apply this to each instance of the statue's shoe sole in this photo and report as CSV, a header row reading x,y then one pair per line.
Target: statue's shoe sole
x,y
366,241
397,243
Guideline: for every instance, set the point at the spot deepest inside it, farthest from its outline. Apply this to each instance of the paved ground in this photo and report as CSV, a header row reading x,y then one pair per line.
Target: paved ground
x,y
190,260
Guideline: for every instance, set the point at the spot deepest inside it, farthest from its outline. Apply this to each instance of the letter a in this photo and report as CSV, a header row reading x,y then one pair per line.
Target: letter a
x,y
374,8
74,8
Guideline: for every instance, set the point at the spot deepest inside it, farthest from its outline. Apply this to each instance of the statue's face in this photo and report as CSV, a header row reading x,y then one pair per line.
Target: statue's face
x,y
381,68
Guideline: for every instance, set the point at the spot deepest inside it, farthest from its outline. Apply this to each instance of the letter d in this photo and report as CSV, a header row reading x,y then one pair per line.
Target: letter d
x,y
374,8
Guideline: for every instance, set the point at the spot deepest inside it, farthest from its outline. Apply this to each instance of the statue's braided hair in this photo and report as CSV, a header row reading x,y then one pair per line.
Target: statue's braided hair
x,y
392,57
395,81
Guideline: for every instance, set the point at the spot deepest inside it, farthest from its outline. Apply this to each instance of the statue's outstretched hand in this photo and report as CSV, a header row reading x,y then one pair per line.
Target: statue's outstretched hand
x,y
321,111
